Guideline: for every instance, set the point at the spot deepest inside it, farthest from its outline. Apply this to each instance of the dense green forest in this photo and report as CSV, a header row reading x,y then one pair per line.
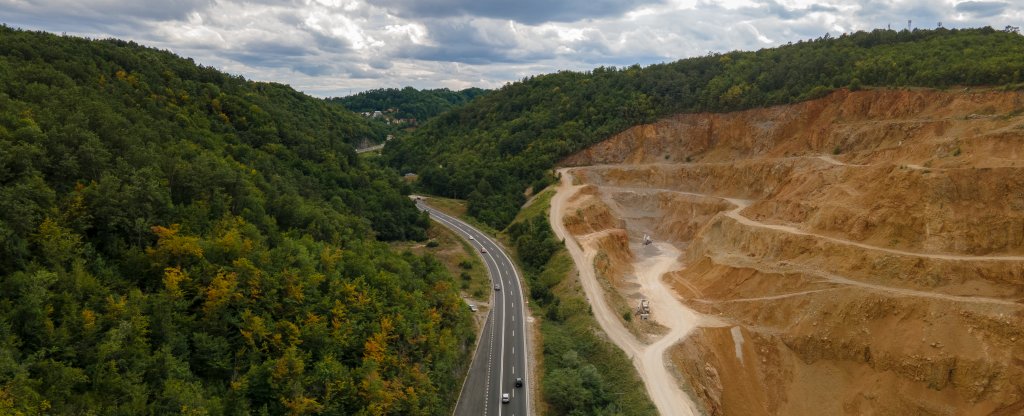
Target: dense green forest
x,y
494,148
175,240
408,102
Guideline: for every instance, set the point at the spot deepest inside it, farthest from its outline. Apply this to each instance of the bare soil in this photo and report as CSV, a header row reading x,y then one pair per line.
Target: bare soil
x,y
858,254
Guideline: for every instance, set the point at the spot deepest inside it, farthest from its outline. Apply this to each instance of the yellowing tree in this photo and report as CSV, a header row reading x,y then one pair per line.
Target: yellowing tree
x,y
172,248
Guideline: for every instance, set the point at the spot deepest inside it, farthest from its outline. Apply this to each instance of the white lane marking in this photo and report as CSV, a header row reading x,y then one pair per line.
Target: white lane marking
x,y
501,365
515,273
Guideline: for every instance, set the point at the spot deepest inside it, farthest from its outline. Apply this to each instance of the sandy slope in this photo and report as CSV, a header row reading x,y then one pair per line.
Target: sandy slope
x,y
648,359
866,250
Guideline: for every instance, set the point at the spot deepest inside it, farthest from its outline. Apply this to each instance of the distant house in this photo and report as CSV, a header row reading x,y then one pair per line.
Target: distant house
x,y
378,114
410,177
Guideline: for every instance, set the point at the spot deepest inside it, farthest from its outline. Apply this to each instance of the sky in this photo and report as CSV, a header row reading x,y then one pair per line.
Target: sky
x,y
337,47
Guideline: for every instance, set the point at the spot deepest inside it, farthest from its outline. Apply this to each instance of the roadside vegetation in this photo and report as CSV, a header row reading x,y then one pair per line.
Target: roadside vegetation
x,y
457,209
458,257
495,147
583,373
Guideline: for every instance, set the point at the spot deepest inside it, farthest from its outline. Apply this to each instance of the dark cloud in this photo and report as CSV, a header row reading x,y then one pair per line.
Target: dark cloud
x,y
476,42
111,10
786,13
524,11
261,54
982,8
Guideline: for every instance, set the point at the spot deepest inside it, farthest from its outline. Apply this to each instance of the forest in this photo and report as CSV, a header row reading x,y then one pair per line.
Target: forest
x,y
408,102
496,147
176,240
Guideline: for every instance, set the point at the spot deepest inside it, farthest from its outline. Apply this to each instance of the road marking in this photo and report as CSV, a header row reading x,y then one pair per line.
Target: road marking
x,y
498,266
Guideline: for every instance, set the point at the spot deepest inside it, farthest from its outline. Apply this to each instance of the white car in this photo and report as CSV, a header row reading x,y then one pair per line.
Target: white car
x,y
504,398
471,238
473,308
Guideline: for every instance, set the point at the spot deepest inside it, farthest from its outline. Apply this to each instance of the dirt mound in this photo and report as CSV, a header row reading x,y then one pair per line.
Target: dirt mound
x,y
866,250
591,214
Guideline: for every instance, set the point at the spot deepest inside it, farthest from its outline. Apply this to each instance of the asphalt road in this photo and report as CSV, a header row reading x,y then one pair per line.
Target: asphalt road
x,y
500,356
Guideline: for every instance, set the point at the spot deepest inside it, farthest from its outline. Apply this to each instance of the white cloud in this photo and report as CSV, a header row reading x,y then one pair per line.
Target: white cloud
x,y
332,47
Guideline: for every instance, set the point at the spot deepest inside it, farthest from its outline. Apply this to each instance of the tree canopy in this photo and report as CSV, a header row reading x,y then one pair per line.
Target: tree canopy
x,y
494,148
408,102
174,239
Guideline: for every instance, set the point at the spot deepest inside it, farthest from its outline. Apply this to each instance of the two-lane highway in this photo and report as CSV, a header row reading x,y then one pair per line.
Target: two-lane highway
x,y
501,356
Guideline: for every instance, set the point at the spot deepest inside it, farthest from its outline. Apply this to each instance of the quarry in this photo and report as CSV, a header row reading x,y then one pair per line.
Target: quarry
x,y
862,253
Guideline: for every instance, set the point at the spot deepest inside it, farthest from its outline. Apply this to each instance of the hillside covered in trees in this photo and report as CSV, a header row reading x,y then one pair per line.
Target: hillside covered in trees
x,y
175,240
408,102
496,147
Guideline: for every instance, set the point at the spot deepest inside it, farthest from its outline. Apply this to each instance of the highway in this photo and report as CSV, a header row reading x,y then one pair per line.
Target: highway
x,y
501,355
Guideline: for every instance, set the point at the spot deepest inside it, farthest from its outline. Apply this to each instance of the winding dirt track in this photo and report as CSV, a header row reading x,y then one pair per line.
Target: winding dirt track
x,y
738,260
656,260
649,360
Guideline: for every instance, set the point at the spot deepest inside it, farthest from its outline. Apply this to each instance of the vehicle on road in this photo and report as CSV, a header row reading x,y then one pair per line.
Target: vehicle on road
x,y
519,382
473,308
471,238
497,286
483,250
504,398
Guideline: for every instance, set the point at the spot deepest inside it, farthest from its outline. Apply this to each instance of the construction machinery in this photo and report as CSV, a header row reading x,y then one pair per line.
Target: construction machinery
x,y
644,309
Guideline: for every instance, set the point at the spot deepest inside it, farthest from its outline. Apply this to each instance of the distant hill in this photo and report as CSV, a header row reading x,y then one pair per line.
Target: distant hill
x,y
176,240
497,146
409,103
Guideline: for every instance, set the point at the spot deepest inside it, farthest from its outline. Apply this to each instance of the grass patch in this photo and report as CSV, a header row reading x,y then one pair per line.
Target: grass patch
x,y
457,208
454,253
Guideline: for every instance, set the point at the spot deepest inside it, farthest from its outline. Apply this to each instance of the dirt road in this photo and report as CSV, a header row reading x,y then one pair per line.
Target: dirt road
x,y
649,359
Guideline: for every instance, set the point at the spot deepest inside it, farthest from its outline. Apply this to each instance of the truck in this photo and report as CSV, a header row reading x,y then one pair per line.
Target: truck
x,y
644,309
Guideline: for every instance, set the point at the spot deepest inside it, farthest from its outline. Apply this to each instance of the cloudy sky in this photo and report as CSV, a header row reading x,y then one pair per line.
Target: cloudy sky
x,y
334,47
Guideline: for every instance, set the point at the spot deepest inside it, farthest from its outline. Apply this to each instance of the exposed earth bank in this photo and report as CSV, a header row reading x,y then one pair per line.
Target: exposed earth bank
x,y
858,254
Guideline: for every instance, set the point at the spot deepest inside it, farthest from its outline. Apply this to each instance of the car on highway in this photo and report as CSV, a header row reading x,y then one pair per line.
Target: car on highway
x,y
473,308
497,286
504,398
483,250
471,238
519,382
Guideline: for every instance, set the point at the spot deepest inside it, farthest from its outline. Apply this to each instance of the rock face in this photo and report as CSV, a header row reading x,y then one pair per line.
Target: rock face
x,y
865,250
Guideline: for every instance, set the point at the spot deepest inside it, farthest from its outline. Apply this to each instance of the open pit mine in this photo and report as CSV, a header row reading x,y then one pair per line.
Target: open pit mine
x,y
862,253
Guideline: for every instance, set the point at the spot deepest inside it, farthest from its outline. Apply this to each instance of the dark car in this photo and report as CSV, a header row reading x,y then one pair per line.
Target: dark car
x,y
519,382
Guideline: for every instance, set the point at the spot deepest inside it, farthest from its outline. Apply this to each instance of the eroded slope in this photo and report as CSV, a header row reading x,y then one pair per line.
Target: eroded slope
x,y
862,253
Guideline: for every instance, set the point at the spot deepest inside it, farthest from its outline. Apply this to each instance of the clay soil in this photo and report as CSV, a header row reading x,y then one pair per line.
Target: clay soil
x,y
858,254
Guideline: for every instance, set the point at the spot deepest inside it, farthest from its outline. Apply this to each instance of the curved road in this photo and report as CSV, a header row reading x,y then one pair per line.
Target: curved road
x,y
500,355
